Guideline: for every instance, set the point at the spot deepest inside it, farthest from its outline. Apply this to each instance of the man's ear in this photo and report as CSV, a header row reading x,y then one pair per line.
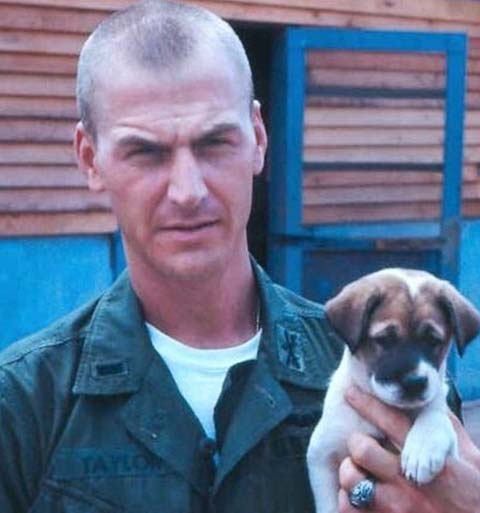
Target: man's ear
x,y
260,138
350,311
85,150
463,316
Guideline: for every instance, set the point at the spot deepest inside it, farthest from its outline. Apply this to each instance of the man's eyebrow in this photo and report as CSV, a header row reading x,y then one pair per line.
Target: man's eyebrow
x,y
136,140
220,128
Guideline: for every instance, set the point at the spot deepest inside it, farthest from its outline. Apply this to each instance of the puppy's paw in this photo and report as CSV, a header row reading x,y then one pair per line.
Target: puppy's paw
x,y
426,451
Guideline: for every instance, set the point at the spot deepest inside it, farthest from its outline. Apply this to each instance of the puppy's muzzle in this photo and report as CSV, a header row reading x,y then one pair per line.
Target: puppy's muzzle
x,y
413,386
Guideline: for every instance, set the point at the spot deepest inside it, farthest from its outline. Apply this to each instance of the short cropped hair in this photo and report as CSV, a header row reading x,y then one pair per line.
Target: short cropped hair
x,y
158,35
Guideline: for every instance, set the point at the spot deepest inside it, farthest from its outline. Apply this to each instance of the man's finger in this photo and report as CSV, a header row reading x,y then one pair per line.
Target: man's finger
x,y
391,422
468,450
367,453
344,505
350,474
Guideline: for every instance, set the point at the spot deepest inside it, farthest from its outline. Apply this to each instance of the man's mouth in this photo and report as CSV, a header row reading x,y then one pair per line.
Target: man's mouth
x,y
187,227
187,230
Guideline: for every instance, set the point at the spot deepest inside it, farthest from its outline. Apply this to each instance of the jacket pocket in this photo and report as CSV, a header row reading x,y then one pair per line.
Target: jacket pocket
x,y
60,497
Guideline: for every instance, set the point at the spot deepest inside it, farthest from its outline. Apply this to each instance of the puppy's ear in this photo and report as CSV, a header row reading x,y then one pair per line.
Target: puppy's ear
x,y
463,316
350,311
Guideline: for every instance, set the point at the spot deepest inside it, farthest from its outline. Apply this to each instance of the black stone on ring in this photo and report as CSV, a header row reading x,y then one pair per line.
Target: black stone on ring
x,y
361,495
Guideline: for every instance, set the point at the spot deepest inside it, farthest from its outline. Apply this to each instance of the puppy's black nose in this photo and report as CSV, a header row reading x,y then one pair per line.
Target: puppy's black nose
x,y
413,385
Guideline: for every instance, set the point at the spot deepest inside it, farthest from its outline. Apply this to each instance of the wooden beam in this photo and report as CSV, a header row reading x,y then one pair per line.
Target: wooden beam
x,y
377,154
384,154
36,130
473,66
471,208
445,10
355,178
256,12
379,61
372,194
362,117
369,212
394,136
34,153
47,19
35,176
435,15
40,223
426,9
52,200
472,103
326,179
33,107
380,194
36,85
40,42
388,103
38,63
473,82
97,5
375,79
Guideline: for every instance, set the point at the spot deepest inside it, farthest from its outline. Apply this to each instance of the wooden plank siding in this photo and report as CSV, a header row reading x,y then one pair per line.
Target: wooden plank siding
x,y
363,147
41,192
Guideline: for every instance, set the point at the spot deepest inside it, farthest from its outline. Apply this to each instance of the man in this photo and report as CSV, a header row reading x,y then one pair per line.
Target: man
x,y
193,384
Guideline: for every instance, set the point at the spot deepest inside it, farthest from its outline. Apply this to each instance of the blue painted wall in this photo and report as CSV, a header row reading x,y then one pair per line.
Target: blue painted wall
x,y
42,278
467,369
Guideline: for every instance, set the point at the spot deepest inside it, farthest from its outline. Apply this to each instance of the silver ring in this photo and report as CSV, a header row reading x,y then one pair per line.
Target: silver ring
x,y
362,494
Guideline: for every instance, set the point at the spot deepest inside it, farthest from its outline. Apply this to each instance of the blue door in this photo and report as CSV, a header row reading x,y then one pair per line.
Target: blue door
x,y
366,156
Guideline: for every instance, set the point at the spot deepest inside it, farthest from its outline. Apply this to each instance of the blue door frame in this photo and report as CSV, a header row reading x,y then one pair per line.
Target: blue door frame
x,y
289,240
288,97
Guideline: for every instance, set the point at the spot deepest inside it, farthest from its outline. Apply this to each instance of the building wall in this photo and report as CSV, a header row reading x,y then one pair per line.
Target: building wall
x,y
56,237
42,193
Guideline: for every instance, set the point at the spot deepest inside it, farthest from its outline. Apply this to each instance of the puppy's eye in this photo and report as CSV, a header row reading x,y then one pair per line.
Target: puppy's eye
x,y
385,341
431,336
433,339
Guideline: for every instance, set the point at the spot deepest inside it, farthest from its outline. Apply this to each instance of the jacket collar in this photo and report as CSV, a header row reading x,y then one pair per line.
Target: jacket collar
x,y
117,350
295,356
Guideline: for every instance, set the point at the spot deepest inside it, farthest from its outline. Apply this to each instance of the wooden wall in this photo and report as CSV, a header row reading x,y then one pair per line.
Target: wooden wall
x,y
42,193
374,135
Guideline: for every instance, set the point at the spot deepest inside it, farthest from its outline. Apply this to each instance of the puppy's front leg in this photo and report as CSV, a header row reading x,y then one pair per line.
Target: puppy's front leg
x,y
323,459
430,441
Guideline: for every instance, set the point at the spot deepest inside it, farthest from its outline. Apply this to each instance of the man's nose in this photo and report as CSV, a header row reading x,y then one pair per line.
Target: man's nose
x,y
186,186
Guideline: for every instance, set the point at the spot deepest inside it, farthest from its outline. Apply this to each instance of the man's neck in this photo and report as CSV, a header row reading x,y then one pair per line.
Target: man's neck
x,y
213,312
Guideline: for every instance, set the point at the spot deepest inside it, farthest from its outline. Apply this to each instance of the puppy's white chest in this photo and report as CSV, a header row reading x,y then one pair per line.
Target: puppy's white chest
x,y
429,443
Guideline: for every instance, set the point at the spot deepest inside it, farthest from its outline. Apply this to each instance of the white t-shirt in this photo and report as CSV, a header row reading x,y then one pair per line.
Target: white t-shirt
x,y
200,373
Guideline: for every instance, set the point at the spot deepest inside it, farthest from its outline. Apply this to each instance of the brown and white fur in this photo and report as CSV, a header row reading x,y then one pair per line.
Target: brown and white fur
x,y
397,325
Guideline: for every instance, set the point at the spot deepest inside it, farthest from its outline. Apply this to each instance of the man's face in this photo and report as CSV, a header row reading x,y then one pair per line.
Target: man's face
x,y
177,152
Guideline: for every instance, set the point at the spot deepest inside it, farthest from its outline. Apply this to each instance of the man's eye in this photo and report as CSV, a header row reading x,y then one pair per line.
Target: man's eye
x,y
147,152
213,142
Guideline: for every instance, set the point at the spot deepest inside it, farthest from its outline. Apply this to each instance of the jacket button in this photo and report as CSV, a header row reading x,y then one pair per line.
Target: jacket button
x,y
207,447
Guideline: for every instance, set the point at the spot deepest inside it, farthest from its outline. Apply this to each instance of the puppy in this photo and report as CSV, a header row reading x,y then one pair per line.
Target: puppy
x,y
397,325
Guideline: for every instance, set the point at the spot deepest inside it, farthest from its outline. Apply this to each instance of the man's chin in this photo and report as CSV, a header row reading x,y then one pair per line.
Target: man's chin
x,y
191,266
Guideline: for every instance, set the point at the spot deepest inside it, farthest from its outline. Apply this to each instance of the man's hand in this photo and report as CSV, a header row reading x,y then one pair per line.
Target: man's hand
x,y
455,490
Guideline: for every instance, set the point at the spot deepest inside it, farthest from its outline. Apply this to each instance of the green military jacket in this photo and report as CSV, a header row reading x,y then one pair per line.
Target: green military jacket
x,y
91,420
